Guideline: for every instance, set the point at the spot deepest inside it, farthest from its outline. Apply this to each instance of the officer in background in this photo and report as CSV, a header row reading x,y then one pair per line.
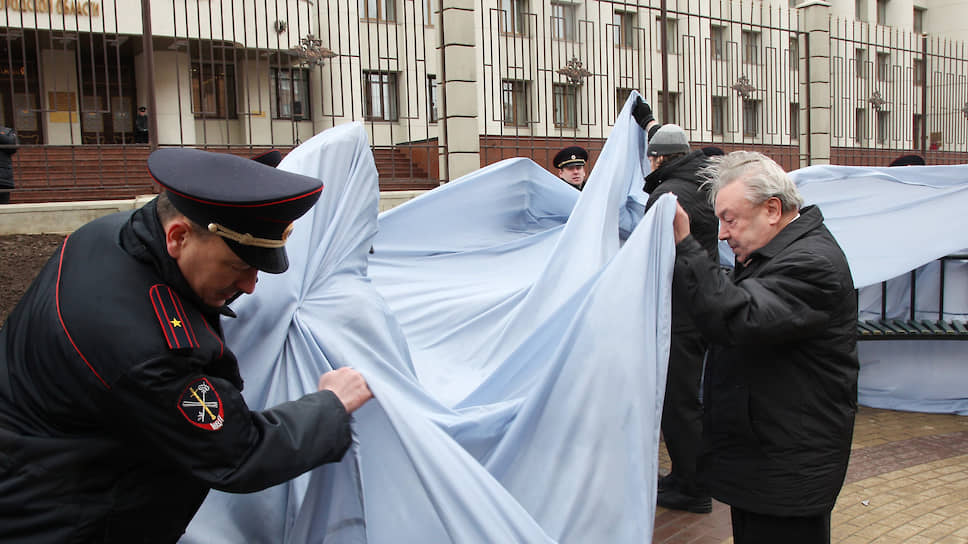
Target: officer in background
x,y
141,126
570,163
120,405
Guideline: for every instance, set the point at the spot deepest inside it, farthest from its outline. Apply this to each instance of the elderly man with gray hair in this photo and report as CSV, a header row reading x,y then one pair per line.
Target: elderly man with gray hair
x,y
780,388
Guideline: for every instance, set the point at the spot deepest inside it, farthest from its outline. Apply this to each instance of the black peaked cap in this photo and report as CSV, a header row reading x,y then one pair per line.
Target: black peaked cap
x,y
249,204
908,160
571,155
270,158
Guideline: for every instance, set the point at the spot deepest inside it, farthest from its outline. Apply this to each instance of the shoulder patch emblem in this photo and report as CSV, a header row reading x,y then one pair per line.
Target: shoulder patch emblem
x,y
171,316
201,405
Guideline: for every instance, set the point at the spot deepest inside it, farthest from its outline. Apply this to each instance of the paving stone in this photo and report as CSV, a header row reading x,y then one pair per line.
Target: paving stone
x,y
910,467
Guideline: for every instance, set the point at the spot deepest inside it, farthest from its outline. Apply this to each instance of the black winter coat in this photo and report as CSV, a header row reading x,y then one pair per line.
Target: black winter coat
x,y
681,178
780,388
120,405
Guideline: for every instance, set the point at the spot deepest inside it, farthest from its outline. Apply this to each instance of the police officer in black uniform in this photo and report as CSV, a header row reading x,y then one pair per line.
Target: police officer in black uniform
x,y
570,163
120,405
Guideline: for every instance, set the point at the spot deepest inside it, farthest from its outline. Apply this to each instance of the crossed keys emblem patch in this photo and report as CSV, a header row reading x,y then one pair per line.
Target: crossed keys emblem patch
x,y
201,405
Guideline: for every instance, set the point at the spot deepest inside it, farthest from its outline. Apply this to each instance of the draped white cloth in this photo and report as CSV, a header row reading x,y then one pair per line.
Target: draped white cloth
x,y
891,221
516,349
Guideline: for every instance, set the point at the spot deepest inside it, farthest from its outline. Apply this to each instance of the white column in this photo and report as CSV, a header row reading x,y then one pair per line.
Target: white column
x,y
815,136
460,130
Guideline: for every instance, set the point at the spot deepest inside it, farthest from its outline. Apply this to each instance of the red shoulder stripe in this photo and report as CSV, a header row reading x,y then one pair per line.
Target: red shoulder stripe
x,y
60,265
171,317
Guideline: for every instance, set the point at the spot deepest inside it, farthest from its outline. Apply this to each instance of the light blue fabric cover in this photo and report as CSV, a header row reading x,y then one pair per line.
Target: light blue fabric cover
x,y
891,221
516,347
515,333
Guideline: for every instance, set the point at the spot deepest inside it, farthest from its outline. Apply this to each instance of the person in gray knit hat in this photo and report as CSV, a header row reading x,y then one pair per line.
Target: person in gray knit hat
x,y
675,169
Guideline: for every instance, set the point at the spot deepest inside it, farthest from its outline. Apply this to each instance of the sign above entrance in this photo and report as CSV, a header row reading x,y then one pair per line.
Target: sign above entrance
x,y
60,7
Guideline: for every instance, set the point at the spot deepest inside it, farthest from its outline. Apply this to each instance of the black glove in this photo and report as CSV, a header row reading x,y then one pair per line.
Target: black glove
x,y
642,113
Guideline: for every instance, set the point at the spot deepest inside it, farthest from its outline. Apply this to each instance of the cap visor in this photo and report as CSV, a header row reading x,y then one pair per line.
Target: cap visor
x,y
266,259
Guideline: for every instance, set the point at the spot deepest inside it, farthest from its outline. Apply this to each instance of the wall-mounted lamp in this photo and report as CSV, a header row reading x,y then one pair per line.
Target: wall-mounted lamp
x,y
964,110
574,71
280,26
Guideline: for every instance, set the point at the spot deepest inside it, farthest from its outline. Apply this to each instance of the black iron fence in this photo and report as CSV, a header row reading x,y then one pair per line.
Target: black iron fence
x,y
244,75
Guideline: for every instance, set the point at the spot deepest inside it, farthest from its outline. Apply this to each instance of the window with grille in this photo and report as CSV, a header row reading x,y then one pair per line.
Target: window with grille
x,y
860,62
514,17
671,44
673,115
289,91
214,90
917,70
378,10
883,126
883,66
514,95
751,118
917,130
751,47
794,120
380,99
717,42
623,23
860,125
565,105
563,17
718,112
794,53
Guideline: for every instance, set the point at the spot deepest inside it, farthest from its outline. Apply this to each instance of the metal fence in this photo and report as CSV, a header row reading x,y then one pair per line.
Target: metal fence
x,y
896,92
727,72
246,75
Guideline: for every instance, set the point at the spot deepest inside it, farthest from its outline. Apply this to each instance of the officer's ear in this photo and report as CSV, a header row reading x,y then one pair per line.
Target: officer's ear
x,y
178,231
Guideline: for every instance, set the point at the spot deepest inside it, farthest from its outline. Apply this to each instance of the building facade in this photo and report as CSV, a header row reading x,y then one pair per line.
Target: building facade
x,y
446,86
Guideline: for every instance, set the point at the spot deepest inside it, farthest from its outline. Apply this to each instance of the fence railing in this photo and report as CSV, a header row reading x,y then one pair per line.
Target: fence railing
x,y
443,89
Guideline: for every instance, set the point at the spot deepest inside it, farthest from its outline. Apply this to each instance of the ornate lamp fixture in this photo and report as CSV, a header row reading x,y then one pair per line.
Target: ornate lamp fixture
x,y
743,87
574,71
877,101
311,51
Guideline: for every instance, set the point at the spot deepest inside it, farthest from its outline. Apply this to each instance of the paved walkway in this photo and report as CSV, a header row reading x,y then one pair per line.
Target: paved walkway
x,y
907,482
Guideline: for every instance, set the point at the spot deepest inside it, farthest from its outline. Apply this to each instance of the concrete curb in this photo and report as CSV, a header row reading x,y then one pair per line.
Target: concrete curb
x,y
66,217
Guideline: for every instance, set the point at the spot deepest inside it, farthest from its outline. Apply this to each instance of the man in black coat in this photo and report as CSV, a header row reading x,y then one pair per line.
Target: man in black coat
x,y
141,126
8,146
780,390
676,169
120,405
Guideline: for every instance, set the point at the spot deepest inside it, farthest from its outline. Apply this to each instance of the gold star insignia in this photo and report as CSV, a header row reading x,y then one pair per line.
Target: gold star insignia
x,y
175,323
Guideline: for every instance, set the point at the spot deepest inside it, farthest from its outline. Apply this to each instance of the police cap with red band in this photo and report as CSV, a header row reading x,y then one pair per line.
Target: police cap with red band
x,y
249,204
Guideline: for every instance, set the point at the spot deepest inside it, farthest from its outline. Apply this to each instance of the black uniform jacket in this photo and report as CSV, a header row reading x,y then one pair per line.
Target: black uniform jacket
x,y
120,405
681,178
781,374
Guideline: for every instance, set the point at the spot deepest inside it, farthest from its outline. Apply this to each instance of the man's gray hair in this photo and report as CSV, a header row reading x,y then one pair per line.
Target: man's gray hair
x,y
764,178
